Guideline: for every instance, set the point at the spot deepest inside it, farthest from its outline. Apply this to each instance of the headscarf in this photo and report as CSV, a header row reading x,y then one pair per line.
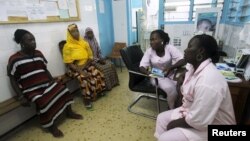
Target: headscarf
x,y
93,44
76,51
18,35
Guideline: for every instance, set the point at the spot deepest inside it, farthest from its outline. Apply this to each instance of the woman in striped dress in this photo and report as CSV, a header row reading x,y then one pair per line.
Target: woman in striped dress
x,y
27,70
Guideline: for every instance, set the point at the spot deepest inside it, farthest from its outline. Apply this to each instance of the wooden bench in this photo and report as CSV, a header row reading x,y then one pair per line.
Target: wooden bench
x,y
12,103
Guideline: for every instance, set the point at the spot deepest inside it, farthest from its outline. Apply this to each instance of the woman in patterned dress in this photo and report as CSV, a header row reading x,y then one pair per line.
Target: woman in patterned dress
x,y
104,65
78,57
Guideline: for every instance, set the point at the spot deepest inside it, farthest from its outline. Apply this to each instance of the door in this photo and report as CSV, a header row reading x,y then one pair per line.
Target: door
x,y
105,25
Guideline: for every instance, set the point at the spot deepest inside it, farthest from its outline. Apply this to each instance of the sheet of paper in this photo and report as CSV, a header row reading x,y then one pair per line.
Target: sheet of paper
x,y
157,72
31,1
3,13
62,4
247,71
88,8
64,14
16,10
51,8
234,41
248,39
36,12
228,36
72,8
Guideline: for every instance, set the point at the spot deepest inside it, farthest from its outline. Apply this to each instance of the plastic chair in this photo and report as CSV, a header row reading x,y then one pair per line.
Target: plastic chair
x,y
115,54
139,82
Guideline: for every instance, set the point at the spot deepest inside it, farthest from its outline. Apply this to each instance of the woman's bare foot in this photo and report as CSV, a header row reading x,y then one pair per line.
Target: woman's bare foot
x,y
74,115
55,131
71,114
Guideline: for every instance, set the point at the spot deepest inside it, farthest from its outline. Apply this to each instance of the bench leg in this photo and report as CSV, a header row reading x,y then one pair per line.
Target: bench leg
x,y
120,63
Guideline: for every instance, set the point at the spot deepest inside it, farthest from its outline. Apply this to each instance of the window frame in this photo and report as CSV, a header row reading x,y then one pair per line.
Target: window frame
x,y
239,13
224,15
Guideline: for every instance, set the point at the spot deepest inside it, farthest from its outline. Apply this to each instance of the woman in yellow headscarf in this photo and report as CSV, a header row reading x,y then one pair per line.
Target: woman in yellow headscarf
x,y
77,55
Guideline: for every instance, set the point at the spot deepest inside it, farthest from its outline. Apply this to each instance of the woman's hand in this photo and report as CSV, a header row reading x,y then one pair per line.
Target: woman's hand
x,y
102,61
84,74
23,101
168,71
180,79
80,71
172,124
181,122
89,63
177,65
144,71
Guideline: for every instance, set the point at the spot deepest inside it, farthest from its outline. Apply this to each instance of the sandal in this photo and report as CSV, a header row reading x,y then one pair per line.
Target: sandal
x,y
88,104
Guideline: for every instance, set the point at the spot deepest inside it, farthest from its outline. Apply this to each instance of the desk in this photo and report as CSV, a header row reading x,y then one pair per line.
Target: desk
x,y
240,93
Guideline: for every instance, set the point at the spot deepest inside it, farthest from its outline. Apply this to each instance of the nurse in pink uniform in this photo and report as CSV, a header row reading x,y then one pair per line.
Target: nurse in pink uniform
x,y
162,55
206,96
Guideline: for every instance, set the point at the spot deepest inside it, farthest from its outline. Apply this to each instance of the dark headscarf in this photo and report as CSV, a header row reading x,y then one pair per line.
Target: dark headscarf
x,y
93,44
18,35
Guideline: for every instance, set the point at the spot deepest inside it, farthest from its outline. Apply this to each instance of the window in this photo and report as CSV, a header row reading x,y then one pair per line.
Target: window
x,y
176,10
184,10
206,4
238,11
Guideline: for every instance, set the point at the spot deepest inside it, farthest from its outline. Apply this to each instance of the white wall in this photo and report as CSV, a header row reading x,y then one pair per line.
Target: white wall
x,y
47,37
231,39
120,21
183,31
227,33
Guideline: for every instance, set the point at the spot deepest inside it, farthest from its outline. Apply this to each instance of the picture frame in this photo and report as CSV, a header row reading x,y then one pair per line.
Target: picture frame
x,y
207,21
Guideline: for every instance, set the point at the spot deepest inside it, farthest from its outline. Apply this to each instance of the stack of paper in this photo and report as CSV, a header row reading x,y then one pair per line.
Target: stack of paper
x,y
224,66
229,75
227,72
157,72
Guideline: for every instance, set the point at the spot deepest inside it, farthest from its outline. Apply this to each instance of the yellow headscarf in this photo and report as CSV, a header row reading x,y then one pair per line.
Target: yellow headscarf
x,y
76,51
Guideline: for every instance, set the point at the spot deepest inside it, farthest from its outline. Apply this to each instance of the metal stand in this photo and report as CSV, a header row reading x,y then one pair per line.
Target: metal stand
x,y
156,97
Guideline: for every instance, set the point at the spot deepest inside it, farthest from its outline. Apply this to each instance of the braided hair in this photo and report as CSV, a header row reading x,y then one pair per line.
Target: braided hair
x,y
210,45
163,35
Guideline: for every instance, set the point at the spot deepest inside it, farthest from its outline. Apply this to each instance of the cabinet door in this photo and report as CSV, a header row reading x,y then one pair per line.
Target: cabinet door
x,y
239,97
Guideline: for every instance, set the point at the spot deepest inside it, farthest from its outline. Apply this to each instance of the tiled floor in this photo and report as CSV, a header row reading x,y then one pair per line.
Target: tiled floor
x,y
109,121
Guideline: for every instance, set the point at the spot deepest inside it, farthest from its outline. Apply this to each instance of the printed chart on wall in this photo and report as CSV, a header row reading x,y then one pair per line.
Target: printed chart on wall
x,y
207,20
28,11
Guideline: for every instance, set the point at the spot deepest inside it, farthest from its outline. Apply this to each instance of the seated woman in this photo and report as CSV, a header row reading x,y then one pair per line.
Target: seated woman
x,y
29,77
78,58
105,66
206,96
162,56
